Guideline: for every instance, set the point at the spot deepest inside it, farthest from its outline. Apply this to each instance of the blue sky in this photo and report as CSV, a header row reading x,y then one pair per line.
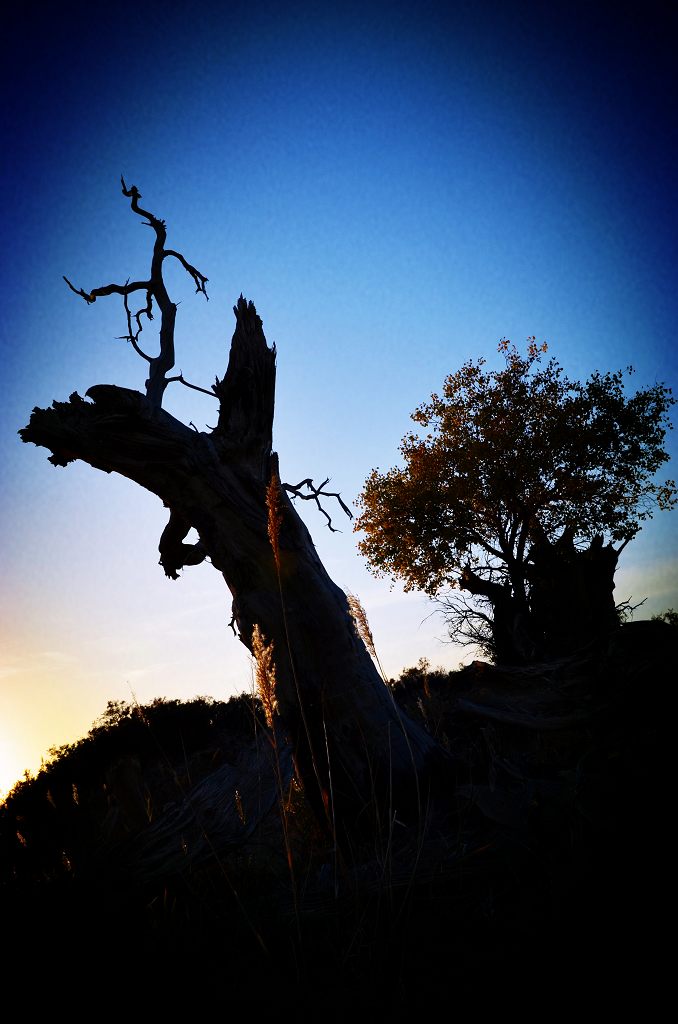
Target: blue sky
x,y
396,187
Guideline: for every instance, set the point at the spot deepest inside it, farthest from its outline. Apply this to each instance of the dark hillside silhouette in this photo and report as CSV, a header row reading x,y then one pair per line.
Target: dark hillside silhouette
x,y
549,872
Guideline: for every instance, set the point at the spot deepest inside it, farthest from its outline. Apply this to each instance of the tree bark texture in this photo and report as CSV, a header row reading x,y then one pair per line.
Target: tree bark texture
x,y
356,754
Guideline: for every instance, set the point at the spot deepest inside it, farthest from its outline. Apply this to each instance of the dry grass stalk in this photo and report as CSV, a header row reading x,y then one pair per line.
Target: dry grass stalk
x,y
265,674
275,516
362,628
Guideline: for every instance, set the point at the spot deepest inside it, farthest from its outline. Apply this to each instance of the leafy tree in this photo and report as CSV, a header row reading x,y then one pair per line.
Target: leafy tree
x,y
670,617
521,495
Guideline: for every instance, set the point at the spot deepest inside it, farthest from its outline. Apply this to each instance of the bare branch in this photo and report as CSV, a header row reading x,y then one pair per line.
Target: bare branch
x,y
199,279
469,622
147,311
625,609
315,493
134,194
108,289
131,336
194,387
80,291
155,289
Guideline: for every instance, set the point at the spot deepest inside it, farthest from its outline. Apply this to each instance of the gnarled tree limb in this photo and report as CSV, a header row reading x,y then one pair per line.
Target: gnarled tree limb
x,y
198,279
161,364
108,289
132,336
174,554
315,494
194,387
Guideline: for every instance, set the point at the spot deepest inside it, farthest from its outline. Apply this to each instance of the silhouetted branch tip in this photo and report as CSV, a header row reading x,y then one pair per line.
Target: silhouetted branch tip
x,y
315,493
194,387
132,192
199,279
87,296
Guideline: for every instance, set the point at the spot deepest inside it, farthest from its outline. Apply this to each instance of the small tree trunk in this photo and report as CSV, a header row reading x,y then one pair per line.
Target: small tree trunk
x,y
355,752
512,641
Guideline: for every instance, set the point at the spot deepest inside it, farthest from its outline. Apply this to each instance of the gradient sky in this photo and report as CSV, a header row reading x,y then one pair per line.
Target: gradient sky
x,y
396,187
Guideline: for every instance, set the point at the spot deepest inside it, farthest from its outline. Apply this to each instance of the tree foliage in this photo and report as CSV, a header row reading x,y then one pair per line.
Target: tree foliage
x,y
514,468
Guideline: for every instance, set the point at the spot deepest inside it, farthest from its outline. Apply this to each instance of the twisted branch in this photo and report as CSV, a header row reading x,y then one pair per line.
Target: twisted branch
x,y
193,387
198,279
131,336
174,554
155,288
316,493
108,289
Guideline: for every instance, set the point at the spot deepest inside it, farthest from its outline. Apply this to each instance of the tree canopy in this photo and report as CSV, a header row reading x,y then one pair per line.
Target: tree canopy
x,y
515,467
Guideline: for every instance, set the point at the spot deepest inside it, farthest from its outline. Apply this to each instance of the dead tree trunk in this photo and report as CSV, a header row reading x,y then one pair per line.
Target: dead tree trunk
x,y
563,603
572,593
354,750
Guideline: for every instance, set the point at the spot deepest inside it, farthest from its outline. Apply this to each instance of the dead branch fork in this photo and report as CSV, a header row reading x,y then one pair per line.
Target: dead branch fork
x,y
160,365
315,494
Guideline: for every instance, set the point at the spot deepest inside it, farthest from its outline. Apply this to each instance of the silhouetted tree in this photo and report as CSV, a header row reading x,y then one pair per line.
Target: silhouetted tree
x,y
351,744
522,495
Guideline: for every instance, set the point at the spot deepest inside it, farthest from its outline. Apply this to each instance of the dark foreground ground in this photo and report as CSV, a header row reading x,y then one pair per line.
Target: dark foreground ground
x,y
543,886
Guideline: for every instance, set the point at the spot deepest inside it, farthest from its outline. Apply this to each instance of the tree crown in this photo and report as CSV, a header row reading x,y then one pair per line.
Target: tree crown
x,y
507,459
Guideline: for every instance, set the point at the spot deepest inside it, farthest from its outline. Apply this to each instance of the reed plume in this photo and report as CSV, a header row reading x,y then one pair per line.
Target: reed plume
x,y
275,516
265,674
362,627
